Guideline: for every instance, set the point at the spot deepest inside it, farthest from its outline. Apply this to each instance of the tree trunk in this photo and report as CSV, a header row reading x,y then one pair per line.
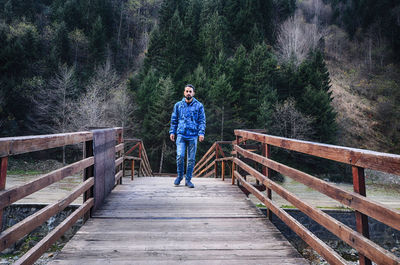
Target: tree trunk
x,y
164,147
222,122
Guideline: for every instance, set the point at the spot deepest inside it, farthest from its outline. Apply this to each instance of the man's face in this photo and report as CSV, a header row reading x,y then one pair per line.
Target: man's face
x,y
188,93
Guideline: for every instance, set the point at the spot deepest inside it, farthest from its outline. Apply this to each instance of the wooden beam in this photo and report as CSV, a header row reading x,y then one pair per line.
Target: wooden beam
x,y
358,202
351,237
26,144
211,156
119,148
361,219
205,169
17,231
212,148
389,163
35,252
3,180
12,195
317,244
119,161
118,176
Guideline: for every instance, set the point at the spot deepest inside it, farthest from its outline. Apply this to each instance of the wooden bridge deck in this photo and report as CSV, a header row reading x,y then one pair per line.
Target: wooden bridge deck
x,y
149,221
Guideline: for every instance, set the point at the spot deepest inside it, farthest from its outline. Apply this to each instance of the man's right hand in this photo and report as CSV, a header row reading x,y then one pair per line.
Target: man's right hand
x,y
172,137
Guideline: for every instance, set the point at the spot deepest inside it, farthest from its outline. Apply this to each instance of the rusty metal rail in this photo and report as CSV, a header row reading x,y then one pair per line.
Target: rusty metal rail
x,y
18,145
363,207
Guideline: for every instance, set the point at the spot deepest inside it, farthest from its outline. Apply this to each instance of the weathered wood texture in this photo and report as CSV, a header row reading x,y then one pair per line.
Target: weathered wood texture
x,y
389,163
149,221
13,194
351,237
358,202
104,164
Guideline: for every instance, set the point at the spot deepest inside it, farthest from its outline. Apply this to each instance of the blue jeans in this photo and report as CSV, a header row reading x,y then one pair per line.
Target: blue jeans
x,y
183,142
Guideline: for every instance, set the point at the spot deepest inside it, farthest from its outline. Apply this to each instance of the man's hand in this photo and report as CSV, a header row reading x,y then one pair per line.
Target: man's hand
x,y
201,138
172,137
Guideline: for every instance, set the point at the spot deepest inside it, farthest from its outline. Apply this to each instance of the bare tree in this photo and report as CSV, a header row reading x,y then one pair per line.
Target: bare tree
x,y
296,38
291,123
51,102
106,101
120,106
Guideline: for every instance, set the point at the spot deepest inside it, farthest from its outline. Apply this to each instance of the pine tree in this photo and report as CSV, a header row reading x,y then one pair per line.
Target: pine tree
x,y
97,41
156,134
259,79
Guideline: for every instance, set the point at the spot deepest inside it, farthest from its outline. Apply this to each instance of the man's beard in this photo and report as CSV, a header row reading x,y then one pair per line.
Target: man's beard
x,y
188,97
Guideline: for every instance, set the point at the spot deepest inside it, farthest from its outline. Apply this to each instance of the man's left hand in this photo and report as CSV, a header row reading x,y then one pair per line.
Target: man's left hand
x,y
201,138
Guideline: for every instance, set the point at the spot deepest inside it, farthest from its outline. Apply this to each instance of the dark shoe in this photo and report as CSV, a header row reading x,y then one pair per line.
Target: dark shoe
x,y
189,184
178,181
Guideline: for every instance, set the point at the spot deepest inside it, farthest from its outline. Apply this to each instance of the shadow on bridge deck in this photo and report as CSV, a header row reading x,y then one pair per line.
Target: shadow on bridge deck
x,y
149,221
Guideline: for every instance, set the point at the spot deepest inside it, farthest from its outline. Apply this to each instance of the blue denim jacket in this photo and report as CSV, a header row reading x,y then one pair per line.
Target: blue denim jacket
x,y
188,120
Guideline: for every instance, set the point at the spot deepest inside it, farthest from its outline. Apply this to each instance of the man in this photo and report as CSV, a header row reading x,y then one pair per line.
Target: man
x,y
188,121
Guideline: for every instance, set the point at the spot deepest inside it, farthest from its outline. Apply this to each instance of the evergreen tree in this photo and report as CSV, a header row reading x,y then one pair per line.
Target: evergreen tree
x,y
317,104
61,46
97,42
259,79
156,134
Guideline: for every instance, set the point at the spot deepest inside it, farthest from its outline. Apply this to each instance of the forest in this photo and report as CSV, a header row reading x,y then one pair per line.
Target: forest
x,y
265,64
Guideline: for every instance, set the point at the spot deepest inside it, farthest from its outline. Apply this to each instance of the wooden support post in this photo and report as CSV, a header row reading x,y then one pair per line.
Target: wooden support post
x,y
88,173
266,151
140,149
215,164
223,170
121,154
132,168
3,177
233,173
361,219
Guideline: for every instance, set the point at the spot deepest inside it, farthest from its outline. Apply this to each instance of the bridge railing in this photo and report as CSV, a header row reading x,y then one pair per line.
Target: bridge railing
x,y
359,160
140,157
20,145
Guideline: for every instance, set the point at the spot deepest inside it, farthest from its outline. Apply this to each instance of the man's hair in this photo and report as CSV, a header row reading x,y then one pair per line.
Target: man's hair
x,y
189,85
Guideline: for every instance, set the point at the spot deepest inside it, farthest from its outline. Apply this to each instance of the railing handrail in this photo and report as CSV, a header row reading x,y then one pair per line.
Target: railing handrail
x,y
363,206
18,145
385,162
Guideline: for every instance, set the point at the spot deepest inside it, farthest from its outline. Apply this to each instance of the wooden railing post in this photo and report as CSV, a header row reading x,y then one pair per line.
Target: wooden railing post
x,y
215,162
3,177
266,151
361,219
223,170
132,168
88,173
121,154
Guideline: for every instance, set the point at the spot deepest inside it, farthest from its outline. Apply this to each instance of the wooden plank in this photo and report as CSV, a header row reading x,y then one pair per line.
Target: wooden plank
x,y
351,237
211,156
119,148
132,149
119,161
212,148
318,245
205,169
360,203
35,252
26,144
12,195
17,231
385,162
133,158
150,221
228,158
3,178
361,219
118,176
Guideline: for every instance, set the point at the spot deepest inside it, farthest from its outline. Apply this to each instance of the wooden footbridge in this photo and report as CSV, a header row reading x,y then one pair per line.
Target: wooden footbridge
x,y
147,220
